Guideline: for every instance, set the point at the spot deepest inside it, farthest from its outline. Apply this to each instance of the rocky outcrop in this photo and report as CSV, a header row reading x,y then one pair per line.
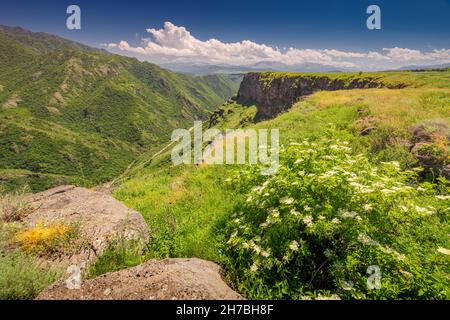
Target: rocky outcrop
x,y
99,217
275,93
169,279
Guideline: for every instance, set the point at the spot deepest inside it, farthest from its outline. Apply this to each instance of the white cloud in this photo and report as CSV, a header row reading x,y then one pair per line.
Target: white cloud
x,y
177,44
109,45
399,54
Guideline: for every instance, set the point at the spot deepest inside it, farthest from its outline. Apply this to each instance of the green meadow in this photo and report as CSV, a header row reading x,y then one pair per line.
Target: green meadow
x,y
189,208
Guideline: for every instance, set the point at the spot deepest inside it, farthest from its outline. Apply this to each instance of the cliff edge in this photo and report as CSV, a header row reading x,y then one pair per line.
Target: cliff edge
x,y
276,92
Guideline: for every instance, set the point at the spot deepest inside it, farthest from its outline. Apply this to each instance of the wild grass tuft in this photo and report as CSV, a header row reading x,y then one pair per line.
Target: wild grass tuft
x,y
13,206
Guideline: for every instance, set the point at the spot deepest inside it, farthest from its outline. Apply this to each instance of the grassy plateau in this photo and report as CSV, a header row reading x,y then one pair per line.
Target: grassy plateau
x,y
189,208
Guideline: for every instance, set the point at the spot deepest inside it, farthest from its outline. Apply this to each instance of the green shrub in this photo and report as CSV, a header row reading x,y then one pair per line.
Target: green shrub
x,y
21,275
164,232
317,225
22,278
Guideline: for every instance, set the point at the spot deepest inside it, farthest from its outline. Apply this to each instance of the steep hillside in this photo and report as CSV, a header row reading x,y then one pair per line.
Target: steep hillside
x,y
224,86
41,42
336,192
18,46
389,115
70,113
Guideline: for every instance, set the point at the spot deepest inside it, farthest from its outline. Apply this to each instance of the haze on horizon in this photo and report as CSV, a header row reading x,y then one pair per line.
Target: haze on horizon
x,y
248,33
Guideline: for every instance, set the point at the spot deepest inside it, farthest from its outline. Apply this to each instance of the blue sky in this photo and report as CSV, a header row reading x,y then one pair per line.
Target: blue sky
x,y
316,25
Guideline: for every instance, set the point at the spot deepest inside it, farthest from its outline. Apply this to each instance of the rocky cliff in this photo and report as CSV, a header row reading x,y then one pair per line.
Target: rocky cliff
x,y
276,92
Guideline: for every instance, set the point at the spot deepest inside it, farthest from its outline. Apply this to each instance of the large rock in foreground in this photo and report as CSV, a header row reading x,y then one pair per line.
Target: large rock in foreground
x,y
169,279
100,218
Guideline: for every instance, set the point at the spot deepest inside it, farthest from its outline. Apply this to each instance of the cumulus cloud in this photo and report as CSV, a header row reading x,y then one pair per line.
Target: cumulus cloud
x,y
416,55
176,44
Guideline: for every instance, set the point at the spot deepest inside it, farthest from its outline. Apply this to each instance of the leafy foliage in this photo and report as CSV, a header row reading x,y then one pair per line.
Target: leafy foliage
x,y
326,216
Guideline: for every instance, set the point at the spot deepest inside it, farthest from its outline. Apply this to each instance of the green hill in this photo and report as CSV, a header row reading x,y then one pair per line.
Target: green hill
x,y
362,182
345,195
71,113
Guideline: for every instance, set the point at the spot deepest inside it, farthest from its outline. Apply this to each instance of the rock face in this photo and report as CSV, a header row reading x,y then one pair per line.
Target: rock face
x,y
169,279
99,216
277,94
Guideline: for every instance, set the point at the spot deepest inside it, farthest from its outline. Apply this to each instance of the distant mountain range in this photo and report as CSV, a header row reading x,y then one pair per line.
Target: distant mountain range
x,y
419,67
206,69
203,69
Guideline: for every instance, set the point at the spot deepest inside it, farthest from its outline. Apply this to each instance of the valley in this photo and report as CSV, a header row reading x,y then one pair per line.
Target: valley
x,y
73,114
202,201
362,179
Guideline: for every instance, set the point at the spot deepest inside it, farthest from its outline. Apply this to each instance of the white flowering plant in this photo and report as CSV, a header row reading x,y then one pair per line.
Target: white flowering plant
x,y
314,227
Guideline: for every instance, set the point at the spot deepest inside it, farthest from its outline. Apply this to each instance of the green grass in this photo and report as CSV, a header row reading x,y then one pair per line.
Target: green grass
x,y
187,207
22,276
434,79
119,254
182,207
115,111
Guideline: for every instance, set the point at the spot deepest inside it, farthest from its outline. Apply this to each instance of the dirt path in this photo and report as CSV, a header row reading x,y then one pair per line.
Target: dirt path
x,y
220,142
